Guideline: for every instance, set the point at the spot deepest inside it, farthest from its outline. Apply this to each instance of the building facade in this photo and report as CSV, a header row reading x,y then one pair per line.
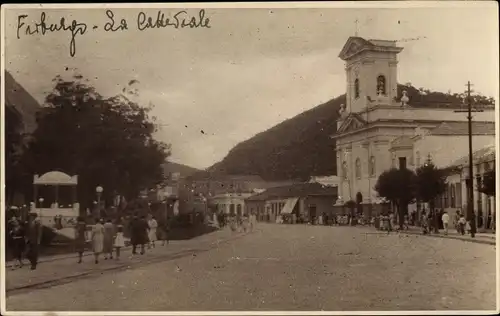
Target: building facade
x,y
455,197
379,128
305,200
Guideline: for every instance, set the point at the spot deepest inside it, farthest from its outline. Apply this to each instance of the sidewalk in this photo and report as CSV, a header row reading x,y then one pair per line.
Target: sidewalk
x,y
64,268
481,238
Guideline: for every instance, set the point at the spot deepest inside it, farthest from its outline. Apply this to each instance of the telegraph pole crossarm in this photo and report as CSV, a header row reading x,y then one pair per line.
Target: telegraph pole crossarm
x,y
470,181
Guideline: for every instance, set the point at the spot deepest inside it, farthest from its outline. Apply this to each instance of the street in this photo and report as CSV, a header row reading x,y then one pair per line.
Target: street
x,y
292,267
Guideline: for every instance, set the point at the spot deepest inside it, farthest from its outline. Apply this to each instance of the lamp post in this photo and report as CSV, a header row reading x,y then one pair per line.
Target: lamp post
x,y
98,191
470,180
41,206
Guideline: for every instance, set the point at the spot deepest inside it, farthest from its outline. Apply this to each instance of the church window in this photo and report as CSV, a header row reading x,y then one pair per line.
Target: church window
x,y
381,85
371,166
358,168
356,88
344,169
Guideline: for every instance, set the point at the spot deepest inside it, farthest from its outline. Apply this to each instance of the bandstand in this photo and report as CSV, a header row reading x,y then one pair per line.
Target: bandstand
x,y
47,207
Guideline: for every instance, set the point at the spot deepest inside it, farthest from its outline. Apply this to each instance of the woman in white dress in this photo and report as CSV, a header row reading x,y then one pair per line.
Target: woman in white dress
x,y
98,239
119,241
153,225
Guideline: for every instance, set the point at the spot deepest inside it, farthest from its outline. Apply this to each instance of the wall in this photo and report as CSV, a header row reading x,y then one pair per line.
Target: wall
x,y
432,114
445,150
324,204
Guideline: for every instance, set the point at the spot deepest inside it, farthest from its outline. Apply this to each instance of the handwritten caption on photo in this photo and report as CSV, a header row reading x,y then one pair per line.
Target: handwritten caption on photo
x,y
143,22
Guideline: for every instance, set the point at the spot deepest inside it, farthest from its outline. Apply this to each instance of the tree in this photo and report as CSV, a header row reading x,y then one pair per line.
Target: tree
x,y
396,185
430,182
14,147
105,141
488,185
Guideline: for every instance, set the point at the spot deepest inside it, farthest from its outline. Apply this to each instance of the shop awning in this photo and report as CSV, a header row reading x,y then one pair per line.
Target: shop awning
x,y
289,206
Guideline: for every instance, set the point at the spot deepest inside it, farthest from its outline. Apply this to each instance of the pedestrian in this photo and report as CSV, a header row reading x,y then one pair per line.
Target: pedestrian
x,y
153,225
17,235
109,236
424,223
456,221
162,231
80,238
461,224
119,242
98,239
139,234
391,220
406,222
33,236
386,220
446,219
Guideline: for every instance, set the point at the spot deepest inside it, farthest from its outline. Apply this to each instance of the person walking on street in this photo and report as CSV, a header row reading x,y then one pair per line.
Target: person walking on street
x,y
80,240
446,219
424,223
119,242
139,231
163,231
98,239
153,225
34,236
109,236
456,221
17,235
461,224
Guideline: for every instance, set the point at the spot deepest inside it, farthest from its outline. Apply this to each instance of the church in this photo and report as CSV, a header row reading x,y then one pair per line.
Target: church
x,y
379,127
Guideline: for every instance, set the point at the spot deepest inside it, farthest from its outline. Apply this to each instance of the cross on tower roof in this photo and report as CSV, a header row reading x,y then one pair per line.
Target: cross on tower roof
x,y
356,22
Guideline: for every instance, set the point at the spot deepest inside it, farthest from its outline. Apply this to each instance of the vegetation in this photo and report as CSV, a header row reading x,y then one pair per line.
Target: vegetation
x,y
301,146
430,182
105,141
397,186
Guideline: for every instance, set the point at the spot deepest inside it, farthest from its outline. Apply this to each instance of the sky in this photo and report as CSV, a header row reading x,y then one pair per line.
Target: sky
x,y
254,67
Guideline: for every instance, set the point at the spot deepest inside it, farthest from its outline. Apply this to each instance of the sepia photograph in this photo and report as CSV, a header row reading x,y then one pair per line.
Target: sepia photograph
x,y
272,157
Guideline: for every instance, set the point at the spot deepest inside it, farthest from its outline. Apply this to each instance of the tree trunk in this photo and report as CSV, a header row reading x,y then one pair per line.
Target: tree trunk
x,y
401,214
434,217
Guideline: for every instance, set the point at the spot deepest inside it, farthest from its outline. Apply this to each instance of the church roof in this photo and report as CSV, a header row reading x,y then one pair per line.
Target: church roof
x,y
482,155
356,45
462,128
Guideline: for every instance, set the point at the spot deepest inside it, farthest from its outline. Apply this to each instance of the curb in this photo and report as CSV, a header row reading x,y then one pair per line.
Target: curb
x,y
122,266
475,240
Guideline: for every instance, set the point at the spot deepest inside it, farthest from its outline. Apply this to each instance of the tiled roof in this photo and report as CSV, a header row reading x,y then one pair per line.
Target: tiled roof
x,y
462,128
482,155
19,99
296,190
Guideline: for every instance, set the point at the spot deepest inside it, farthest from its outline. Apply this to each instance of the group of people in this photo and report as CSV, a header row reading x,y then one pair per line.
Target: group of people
x,y
108,237
25,238
237,222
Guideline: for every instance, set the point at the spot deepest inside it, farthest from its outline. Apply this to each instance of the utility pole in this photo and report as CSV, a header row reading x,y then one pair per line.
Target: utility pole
x,y
470,181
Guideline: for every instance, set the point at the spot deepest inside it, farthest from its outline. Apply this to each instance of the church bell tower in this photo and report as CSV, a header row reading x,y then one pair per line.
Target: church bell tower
x,y
371,73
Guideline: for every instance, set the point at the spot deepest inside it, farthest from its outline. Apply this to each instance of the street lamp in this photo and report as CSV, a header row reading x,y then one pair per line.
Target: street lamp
x,y
99,190
41,204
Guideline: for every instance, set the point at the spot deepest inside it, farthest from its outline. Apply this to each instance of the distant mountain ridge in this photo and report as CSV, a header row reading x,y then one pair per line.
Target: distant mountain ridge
x,y
173,167
301,147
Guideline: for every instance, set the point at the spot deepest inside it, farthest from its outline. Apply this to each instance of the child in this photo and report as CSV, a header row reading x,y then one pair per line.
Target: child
x,y
119,241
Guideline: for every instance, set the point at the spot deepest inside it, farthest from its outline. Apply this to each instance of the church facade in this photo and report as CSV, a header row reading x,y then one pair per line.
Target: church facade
x,y
379,129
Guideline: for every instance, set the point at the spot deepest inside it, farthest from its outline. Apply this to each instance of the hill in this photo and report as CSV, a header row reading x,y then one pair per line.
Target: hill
x,y
300,147
172,167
